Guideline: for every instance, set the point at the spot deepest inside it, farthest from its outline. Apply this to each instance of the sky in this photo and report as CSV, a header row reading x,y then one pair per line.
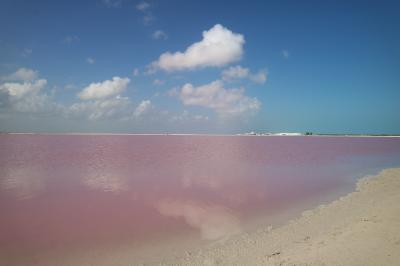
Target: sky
x,y
125,66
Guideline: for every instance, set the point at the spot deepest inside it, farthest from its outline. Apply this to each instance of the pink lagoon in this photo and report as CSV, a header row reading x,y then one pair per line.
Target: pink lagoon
x,y
64,197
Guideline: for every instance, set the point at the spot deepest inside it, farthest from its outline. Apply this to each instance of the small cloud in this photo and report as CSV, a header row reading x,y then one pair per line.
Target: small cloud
x,y
112,3
135,72
69,87
158,82
260,77
238,72
235,72
143,108
174,92
90,60
26,52
71,39
159,35
143,6
200,117
148,19
285,54
186,116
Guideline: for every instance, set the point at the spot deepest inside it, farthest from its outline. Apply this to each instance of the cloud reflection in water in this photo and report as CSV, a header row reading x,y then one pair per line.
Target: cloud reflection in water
x,y
24,182
213,221
105,182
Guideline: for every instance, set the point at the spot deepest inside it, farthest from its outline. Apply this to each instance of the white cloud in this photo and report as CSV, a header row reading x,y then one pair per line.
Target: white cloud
x,y
22,74
159,35
100,100
143,6
285,54
158,82
71,39
136,72
143,108
19,90
27,96
235,72
219,47
238,72
26,52
103,101
259,77
186,116
118,107
90,60
226,102
70,87
104,89
148,19
38,103
112,3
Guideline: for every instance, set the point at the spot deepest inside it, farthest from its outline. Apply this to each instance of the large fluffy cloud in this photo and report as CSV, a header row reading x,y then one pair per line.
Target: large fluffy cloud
x,y
18,90
239,72
219,46
105,89
226,102
25,94
22,74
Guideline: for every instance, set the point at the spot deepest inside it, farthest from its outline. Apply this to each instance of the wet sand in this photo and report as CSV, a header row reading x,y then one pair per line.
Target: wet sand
x,y
362,228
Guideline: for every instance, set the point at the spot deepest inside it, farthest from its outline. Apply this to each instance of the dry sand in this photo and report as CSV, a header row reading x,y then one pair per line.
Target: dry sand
x,y
362,228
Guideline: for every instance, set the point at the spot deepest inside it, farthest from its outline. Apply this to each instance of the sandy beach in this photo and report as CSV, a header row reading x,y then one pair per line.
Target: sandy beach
x,y
362,228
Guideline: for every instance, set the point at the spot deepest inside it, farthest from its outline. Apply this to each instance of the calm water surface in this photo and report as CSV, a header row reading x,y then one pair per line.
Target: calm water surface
x,y
63,191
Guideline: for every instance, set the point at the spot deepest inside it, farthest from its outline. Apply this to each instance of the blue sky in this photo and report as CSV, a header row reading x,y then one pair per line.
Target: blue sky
x,y
198,66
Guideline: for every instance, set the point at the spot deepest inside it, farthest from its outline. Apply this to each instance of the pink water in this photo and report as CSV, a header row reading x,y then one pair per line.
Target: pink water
x,y
80,191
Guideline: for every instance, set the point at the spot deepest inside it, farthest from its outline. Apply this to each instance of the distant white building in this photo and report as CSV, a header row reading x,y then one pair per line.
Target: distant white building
x,y
252,133
288,134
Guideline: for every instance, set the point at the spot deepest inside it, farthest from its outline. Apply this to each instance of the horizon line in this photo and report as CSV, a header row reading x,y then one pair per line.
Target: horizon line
x,y
277,134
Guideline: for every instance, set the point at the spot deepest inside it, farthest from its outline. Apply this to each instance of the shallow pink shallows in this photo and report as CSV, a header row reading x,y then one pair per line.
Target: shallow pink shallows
x,y
61,191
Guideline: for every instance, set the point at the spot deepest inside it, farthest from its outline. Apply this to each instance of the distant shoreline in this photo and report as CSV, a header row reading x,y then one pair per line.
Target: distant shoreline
x,y
203,135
